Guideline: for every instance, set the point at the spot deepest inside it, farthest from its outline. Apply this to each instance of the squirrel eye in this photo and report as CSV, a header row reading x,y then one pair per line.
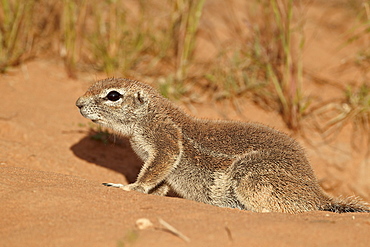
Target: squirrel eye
x,y
114,96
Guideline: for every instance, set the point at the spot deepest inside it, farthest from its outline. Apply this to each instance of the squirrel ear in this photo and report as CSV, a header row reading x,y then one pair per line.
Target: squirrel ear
x,y
139,98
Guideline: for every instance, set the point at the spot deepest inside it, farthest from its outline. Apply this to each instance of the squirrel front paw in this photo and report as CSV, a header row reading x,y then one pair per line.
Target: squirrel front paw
x,y
129,187
135,187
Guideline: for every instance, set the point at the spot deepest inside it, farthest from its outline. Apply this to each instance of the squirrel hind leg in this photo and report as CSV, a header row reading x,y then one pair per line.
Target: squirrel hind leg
x,y
255,199
264,186
257,194
267,198
263,197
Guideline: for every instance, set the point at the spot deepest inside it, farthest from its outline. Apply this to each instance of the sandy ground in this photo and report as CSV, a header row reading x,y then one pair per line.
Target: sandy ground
x,y
52,170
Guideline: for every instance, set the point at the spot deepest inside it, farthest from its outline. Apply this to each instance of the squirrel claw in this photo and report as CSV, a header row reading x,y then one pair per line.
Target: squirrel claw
x,y
113,185
128,187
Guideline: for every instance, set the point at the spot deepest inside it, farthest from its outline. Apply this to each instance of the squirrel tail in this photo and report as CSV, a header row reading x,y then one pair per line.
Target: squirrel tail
x,y
346,205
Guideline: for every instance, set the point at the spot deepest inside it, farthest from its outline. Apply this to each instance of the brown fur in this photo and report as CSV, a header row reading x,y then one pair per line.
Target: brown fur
x,y
223,163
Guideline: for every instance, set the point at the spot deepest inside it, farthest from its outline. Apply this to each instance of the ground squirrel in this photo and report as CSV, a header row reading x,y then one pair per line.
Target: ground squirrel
x,y
223,163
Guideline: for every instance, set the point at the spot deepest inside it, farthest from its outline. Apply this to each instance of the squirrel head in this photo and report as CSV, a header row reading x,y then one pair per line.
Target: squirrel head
x,y
116,103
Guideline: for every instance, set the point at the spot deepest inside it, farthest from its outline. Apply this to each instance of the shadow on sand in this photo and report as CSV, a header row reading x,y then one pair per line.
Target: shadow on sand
x,y
113,153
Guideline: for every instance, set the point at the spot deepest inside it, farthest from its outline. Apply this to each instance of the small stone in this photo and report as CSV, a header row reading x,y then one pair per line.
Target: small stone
x,y
143,223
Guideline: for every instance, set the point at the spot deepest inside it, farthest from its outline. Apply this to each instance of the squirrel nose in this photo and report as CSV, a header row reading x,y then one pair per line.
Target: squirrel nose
x,y
80,103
